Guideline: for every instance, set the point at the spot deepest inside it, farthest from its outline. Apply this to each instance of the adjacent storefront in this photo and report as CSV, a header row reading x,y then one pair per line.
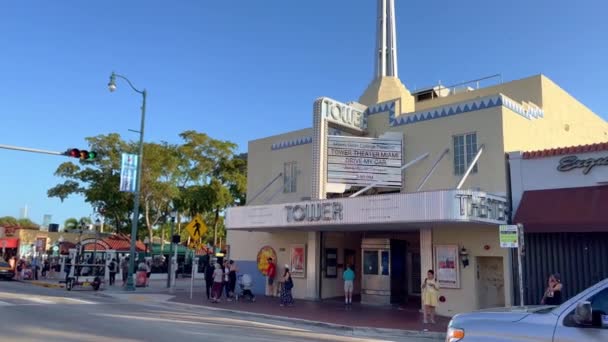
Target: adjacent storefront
x,y
561,196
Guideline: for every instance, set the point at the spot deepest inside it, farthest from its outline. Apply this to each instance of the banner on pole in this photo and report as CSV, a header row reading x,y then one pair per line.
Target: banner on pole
x,y
128,172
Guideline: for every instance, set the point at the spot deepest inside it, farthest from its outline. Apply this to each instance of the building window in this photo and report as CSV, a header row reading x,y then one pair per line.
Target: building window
x,y
290,176
465,149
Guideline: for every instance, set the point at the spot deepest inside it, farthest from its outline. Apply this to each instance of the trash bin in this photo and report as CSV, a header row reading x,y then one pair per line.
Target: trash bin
x,y
140,280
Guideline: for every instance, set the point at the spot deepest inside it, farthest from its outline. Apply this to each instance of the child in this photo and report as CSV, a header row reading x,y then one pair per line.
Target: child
x,y
430,292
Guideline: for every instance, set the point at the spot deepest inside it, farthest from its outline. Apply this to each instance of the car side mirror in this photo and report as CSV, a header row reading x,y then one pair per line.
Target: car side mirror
x,y
583,314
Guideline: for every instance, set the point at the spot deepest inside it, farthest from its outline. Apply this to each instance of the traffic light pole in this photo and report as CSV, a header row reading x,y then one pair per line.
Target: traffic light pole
x,y
33,150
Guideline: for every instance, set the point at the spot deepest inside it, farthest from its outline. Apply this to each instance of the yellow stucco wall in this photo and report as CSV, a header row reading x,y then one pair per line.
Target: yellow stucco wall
x,y
388,88
566,122
473,239
264,164
434,136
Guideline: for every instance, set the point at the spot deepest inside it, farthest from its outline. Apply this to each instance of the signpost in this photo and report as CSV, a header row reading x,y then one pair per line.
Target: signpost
x,y
512,236
196,229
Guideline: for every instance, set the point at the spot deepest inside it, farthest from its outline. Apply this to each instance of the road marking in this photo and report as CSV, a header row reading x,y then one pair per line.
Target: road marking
x,y
79,300
6,304
39,300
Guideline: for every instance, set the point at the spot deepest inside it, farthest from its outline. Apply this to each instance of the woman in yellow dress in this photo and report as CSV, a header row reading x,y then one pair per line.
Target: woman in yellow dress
x,y
430,293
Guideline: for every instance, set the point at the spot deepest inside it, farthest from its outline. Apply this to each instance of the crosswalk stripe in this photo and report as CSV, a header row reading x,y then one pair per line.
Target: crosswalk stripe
x,y
5,304
79,300
39,300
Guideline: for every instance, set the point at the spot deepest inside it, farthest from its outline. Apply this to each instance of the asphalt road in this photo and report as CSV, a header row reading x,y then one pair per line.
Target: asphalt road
x,y
31,313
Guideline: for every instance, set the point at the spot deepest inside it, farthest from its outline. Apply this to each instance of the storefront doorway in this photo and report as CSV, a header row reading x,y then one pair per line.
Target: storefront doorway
x,y
490,282
399,271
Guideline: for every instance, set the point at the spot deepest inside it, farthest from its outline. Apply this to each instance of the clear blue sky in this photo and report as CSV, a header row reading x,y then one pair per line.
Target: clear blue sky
x,y
246,69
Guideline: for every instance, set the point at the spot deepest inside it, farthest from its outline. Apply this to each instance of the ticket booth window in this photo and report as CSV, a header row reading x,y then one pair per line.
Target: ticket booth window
x,y
370,262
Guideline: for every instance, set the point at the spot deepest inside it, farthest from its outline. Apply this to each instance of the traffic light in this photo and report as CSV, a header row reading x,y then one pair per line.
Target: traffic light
x,y
81,154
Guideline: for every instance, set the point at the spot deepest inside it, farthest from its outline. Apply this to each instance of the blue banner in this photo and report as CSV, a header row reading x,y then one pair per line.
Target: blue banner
x,y
128,172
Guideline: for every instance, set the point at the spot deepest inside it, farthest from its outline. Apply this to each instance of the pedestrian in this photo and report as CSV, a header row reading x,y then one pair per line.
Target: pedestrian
x,y
286,297
113,270
35,268
553,293
226,280
430,294
209,278
148,273
218,277
271,271
46,265
232,277
124,268
349,277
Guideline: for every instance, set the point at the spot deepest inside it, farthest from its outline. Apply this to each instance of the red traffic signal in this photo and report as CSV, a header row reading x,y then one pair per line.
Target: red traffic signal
x,y
81,154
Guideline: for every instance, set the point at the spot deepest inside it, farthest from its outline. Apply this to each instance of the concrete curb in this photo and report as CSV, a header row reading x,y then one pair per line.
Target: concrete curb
x,y
41,283
355,331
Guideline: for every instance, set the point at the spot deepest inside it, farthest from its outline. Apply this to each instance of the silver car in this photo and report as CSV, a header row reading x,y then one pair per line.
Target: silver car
x,y
582,318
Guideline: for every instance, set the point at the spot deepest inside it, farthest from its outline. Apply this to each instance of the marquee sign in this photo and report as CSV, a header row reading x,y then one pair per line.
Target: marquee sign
x,y
342,214
364,161
343,114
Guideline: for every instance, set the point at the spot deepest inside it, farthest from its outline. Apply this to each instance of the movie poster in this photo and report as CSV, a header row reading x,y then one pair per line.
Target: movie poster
x,y
298,261
446,266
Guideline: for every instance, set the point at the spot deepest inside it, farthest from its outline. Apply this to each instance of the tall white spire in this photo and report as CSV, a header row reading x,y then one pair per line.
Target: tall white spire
x,y
386,40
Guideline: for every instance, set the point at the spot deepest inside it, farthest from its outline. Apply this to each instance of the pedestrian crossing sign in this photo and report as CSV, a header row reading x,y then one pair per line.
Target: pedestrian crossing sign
x,y
196,228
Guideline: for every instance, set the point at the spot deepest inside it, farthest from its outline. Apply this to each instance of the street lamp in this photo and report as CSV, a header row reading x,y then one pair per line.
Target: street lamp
x,y
112,87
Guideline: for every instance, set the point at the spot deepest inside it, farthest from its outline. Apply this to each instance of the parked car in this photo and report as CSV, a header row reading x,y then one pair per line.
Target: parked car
x,y
6,271
583,318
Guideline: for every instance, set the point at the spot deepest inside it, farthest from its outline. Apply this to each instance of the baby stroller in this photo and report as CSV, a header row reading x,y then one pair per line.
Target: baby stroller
x,y
245,282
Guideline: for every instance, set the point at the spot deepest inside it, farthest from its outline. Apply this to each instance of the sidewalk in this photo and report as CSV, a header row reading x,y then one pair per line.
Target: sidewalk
x,y
327,311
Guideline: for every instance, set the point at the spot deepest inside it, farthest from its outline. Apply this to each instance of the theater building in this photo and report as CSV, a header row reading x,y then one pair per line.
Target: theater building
x,y
560,195
398,182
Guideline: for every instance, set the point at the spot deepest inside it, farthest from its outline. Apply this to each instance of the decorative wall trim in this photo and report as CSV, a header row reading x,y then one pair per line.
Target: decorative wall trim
x,y
529,111
291,143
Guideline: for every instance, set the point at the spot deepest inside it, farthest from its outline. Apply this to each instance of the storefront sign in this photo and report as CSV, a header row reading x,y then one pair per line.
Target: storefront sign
x,y
483,207
314,212
508,235
572,162
343,114
364,161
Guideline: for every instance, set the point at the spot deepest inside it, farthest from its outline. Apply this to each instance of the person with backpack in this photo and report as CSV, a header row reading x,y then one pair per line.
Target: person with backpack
x,y
286,296
113,270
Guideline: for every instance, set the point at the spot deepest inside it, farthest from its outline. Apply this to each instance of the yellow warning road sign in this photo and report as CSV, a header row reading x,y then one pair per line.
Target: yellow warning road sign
x,y
196,228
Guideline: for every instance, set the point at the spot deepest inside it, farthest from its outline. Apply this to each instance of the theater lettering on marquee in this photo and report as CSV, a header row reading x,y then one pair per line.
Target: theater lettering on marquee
x,y
314,212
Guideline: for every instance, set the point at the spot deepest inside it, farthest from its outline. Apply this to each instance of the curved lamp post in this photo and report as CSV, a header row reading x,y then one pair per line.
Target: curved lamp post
x,y
112,87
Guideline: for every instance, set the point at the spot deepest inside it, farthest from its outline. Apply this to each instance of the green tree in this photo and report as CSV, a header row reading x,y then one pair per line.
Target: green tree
x,y
70,224
8,221
27,223
98,180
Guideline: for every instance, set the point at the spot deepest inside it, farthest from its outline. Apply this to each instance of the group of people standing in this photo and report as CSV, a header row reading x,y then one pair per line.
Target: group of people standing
x,y
219,278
